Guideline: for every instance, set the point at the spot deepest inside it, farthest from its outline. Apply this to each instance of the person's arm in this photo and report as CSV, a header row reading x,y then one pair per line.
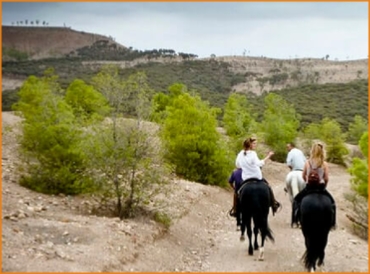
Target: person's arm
x,y
304,173
289,160
232,180
326,173
237,161
259,162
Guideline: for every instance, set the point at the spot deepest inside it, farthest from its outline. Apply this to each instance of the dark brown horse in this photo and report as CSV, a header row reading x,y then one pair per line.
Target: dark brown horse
x,y
316,218
255,205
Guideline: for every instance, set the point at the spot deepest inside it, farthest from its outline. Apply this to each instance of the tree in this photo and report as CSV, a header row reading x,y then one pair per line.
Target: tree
x,y
359,169
161,101
280,124
87,103
50,140
237,120
192,142
329,132
356,129
332,135
125,151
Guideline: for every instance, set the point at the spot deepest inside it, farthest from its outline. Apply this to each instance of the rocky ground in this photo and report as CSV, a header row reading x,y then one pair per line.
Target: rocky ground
x,y
42,233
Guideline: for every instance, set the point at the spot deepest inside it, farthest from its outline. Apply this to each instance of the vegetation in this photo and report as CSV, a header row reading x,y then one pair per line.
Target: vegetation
x,y
328,131
14,54
123,150
280,124
192,142
50,140
336,101
104,50
359,169
238,120
213,80
356,129
69,149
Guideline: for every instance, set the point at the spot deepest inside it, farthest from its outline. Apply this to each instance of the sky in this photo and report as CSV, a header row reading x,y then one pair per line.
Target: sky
x,y
280,30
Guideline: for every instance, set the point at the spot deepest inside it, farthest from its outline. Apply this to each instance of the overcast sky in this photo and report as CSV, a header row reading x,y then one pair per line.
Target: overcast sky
x,y
276,30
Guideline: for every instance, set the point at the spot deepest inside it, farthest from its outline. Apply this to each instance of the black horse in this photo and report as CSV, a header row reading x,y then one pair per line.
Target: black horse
x,y
316,218
255,204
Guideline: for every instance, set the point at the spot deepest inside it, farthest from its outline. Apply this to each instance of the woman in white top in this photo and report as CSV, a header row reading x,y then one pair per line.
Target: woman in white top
x,y
250,164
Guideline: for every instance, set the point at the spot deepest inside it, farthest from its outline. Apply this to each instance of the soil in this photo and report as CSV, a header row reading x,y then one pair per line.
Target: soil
x,y
43,233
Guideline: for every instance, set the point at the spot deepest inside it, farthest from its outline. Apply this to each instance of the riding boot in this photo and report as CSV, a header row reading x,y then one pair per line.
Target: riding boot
x,y
297,204
237,210
234,209
273,203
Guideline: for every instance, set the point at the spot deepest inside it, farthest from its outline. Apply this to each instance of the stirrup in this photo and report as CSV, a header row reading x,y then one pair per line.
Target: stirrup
x,y
275,207
232,212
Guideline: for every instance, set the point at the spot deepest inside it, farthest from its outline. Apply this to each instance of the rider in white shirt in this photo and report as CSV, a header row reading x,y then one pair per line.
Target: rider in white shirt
x,y
250,164
295,159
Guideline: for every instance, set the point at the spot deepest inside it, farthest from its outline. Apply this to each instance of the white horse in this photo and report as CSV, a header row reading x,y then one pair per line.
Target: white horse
x,y
294,184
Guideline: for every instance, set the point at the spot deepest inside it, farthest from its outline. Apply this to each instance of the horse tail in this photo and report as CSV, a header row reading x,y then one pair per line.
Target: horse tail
x,y
269,234
261,222
316,251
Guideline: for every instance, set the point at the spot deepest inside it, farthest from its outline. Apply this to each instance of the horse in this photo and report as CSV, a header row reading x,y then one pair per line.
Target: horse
x,y
316,218
255,204
294,184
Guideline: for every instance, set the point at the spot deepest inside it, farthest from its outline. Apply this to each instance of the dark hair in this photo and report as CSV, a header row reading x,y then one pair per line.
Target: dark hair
x,y
247,144
291,144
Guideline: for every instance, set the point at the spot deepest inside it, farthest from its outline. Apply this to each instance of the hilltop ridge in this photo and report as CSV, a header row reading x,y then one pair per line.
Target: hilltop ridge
x,y
45,42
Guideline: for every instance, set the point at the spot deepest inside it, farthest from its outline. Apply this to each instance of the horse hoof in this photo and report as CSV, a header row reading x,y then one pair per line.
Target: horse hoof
x,y
242,238
261,259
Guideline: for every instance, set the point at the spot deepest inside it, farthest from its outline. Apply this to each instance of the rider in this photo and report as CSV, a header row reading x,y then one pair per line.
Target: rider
x,y
295,161
295,158
316,161
235,182
251,165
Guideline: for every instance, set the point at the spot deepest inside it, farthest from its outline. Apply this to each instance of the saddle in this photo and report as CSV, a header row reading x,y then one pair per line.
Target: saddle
x,y
248,181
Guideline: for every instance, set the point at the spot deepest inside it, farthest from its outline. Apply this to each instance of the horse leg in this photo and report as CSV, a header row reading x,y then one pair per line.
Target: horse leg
x,y
292,220
249,234
242,230
264,232
261,256
255,231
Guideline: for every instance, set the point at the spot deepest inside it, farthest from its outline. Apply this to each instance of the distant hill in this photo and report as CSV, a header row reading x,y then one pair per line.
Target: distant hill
x,y
30,43
74,54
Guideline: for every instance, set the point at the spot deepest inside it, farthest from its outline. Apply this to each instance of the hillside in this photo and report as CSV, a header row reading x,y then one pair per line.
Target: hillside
x,y
81,55
35,43
47,233
266,74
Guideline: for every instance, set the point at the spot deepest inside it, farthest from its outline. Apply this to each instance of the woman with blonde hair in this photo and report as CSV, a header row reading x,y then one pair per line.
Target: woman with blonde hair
x,y
316,175
316,162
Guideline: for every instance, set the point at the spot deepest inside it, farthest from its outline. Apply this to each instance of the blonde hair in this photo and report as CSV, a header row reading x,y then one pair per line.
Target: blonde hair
x,y
317,155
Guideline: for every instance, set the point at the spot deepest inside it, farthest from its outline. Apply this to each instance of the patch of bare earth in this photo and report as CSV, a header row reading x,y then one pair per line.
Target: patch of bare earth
x,y
42,233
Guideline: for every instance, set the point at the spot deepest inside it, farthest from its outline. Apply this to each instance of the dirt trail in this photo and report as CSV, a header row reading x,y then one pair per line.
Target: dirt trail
x,y
54,233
